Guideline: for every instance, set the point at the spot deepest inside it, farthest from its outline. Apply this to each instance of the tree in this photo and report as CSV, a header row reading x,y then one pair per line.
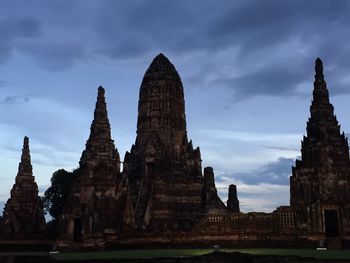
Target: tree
x,y
56,195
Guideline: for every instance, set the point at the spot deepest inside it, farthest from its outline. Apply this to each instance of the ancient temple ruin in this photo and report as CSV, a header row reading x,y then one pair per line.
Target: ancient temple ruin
x,y
320,184
232,201
162,188
90,213
163,170
162,196
23,216
319,190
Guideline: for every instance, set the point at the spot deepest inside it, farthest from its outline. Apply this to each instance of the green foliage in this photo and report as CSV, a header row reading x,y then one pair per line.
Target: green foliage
x,y
56,195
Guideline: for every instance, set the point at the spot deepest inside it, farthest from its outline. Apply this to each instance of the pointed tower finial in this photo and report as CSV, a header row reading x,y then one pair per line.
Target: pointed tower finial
x,y
25,151
100,94
25,166
319,69
100,124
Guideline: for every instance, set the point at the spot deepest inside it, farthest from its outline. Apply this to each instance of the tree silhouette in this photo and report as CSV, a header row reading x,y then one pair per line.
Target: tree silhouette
x,y
56,195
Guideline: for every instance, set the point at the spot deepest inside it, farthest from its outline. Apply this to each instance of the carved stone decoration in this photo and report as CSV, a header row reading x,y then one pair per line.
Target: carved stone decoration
x,y
91,213
163,169
23,216
320,184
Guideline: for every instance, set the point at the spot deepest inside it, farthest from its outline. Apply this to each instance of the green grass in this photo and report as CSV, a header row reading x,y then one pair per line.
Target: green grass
x,y
137,253
151,253
327,254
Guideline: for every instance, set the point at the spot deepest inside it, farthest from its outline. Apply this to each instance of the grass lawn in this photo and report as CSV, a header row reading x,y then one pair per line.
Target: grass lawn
x,y
137,253
151,253
325,254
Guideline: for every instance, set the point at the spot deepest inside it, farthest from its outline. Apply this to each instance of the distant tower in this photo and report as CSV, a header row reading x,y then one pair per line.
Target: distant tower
x,y
91,212
163,170
320,184
211,202
23,216
232,201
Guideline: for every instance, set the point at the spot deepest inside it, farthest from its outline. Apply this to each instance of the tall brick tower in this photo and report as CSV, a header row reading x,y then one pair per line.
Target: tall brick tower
x,y
320,184
91,212
163,169
23,212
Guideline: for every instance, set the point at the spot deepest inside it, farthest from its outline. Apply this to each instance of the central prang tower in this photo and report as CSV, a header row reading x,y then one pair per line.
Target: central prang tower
x,y
161,105
163,171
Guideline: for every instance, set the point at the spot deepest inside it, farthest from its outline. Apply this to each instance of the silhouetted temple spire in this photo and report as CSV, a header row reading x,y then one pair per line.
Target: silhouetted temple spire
x,y
160,63
323,130
320,93
161,103
25,166
321,176
100,126
93,197
100,143
163,167
319,69
23,212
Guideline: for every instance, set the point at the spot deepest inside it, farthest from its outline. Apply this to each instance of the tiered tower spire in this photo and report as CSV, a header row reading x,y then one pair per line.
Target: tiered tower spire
x,y
91,211
100,144
25,167
324,144
321,179
23,212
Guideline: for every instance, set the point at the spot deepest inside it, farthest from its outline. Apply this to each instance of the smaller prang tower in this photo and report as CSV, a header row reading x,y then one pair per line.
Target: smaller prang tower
x,y
90,213
23,212
320,183
232,201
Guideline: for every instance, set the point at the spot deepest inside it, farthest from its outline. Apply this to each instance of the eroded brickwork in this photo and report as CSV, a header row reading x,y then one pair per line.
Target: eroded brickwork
x,y
320,184
163,169
91,212
23,216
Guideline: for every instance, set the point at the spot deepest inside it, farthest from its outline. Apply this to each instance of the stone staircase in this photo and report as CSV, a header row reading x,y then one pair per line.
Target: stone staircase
x,y
142,202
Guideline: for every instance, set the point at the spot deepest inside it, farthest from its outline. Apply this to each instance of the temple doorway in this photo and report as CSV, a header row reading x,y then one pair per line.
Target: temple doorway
x,y
331,222
78,229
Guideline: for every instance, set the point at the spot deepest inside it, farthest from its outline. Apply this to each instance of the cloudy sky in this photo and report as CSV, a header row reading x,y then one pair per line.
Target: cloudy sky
x,y
247,69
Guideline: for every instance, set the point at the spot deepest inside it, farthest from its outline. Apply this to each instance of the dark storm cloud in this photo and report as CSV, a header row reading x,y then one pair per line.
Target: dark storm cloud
x,y
258,30
69,32
280,148
277,172
254,24
15,99
270,81
55,55
147,26
12,30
